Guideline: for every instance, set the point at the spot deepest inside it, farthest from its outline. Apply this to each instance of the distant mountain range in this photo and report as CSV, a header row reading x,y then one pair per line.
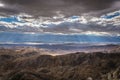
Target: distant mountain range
x,y
49,38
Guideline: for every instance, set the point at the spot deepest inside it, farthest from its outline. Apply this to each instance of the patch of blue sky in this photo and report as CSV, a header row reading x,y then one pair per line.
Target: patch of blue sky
x,y
10,19
74,17
110,16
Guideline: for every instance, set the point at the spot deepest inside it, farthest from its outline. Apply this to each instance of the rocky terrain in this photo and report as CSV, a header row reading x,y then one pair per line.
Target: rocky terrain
x,y
38,64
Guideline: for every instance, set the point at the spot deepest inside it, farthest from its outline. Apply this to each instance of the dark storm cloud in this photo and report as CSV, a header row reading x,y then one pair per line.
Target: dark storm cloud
x,y
50,7
67,8
76,27
8,11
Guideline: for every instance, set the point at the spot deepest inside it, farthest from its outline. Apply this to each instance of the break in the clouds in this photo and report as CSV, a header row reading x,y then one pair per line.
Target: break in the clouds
x,y
108,24
98,17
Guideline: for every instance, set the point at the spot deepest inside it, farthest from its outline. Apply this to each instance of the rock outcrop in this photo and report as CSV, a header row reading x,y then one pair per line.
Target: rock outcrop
x,y
19,65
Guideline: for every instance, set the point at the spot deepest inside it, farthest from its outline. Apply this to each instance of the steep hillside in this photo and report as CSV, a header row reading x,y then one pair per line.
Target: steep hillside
x,y
31,64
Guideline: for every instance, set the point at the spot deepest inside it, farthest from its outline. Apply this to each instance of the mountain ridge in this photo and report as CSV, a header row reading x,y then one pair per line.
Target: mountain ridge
x,y
28,64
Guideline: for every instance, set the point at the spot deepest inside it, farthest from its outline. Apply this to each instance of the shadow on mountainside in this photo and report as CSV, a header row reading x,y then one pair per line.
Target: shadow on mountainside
x,y
32,65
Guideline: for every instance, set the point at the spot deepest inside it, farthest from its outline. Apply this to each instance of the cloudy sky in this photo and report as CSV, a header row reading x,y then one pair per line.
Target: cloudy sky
x,y
52,7
100,17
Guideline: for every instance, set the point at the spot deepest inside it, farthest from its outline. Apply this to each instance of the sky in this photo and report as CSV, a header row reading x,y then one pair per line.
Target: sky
x,y
98,17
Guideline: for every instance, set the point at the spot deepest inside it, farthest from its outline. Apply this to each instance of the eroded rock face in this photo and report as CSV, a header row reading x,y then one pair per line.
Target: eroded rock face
x,y
77,66
27,75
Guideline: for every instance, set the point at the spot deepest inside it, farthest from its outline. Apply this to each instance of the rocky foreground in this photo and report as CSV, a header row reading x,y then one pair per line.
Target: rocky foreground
x,y
36,64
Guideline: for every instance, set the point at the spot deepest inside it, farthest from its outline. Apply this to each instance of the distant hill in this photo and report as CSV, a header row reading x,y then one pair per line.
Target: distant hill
x,y
37,64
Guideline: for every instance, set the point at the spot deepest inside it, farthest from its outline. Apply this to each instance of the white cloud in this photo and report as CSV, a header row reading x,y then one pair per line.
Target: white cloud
x,y
104,25
1,4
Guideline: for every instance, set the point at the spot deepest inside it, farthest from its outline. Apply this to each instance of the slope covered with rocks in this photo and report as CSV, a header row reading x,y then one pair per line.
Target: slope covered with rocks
x,y
33,65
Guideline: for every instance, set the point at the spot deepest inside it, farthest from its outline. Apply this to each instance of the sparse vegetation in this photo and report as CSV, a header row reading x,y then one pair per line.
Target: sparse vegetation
x,y
19,65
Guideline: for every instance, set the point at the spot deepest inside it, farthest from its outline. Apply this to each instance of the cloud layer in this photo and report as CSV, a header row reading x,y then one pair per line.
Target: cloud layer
x,y
108,24
99,17
52,7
